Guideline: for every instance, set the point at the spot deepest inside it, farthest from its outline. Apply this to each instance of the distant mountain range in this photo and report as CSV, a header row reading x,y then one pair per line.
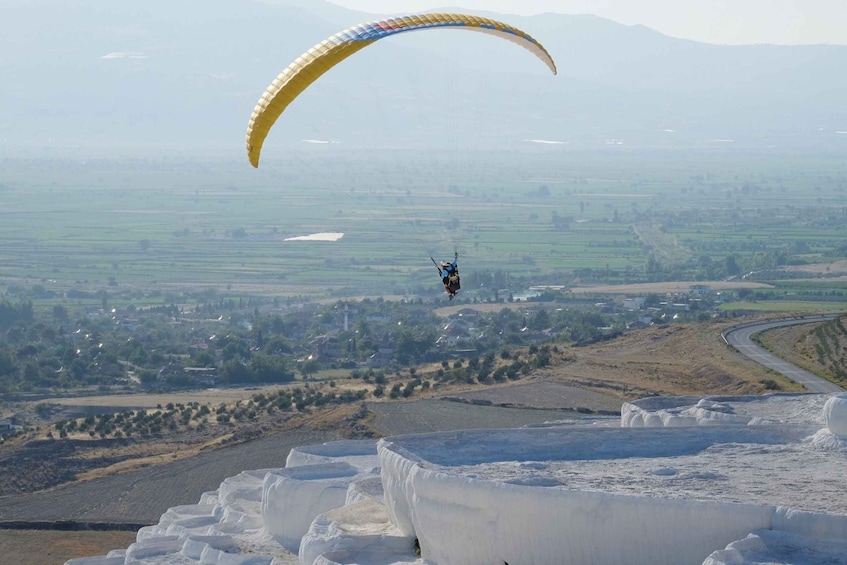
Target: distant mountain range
x,y
131,75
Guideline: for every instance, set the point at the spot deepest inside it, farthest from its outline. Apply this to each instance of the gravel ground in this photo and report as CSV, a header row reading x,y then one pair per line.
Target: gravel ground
x,y
545,395
501,407
420,416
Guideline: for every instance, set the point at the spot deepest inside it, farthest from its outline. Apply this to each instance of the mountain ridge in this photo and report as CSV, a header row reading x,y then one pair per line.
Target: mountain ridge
x,y
90,74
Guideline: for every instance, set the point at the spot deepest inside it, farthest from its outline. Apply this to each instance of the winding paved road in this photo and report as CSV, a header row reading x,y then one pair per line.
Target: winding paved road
x,y
739,337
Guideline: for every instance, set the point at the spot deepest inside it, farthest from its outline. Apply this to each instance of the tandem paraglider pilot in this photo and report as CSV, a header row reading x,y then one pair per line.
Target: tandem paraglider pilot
x,y
449,273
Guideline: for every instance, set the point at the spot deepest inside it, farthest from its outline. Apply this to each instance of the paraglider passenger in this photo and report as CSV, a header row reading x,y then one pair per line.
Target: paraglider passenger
x,y
450,277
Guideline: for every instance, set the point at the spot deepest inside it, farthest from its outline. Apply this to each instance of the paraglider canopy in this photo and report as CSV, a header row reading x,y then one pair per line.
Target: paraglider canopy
x,y
309,66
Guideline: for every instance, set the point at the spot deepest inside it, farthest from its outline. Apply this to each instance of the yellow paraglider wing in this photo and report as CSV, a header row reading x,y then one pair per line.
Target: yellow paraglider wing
x,y
309,66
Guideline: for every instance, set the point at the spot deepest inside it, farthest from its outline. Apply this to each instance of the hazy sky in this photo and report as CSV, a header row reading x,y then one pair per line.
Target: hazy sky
x,y
714,21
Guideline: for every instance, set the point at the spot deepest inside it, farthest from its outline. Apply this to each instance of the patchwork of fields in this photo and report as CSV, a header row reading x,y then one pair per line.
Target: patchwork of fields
x,y
154,231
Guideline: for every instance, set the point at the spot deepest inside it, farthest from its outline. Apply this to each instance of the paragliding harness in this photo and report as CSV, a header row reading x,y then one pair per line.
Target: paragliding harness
x,y
449,273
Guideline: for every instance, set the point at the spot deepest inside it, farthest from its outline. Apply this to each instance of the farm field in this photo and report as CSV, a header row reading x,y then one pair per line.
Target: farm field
x,y
160,231
786,306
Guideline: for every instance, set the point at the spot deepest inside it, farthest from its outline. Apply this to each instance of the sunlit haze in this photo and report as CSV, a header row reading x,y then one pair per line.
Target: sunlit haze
x,y
787,22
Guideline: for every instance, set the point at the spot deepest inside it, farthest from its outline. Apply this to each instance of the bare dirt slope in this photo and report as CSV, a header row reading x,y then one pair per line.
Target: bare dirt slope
x,y
143,495
689,359
50,547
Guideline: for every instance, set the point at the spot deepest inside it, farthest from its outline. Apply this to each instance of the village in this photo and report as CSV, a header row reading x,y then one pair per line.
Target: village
x,y
244,341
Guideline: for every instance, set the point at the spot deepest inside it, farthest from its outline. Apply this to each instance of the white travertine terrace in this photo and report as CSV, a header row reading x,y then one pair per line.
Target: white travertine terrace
x,y
712,481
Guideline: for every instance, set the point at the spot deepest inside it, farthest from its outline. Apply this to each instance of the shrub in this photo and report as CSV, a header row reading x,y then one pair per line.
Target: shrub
x,y
770,384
